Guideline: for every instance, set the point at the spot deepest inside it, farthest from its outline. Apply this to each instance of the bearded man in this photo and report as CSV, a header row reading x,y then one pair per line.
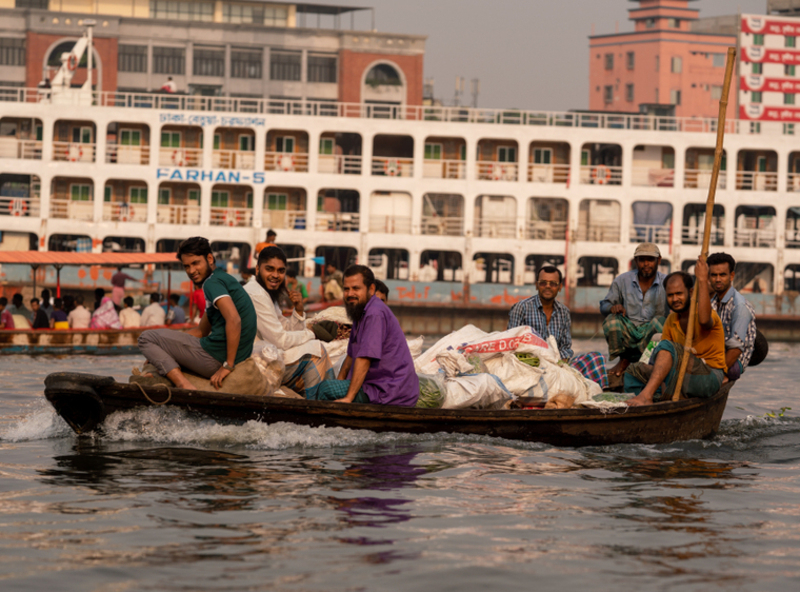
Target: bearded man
x,y
226,332
378,368
706,370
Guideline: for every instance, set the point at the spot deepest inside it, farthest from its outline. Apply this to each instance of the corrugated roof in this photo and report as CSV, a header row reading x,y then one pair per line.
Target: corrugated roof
x,y
64,258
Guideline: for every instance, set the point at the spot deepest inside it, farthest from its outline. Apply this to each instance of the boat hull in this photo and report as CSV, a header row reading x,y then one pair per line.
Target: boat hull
x,y
84,401
109,342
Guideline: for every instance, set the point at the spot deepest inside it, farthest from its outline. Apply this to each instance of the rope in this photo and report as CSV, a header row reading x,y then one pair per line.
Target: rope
x,y
156,403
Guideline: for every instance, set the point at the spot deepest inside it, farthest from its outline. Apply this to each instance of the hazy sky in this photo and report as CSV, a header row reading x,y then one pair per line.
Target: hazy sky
x,y
526,53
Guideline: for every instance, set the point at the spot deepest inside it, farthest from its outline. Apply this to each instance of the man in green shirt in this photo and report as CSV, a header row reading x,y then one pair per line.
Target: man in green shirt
x,y
226,332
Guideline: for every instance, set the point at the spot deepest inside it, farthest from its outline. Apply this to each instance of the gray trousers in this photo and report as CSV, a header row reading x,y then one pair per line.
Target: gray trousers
x,y
167,349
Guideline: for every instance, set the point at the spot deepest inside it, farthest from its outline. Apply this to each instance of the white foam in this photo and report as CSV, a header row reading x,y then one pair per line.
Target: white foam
x,y
39,425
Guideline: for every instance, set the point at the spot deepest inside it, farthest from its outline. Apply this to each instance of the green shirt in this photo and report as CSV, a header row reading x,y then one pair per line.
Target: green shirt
x,y
218,285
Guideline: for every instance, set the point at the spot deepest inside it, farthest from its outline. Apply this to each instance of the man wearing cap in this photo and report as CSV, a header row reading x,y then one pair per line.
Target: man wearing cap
x,y
635,308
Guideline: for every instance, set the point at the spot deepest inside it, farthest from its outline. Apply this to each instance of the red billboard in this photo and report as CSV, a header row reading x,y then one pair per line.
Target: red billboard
x,y
759,112
758,83
770,25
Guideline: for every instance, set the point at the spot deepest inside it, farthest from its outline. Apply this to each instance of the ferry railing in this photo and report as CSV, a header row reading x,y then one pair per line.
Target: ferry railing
x,y
756,181
340,164
180,157
444,169
392,166
650,233
233,159
72,210
693,235
177,214
23,207
497,171
124,212
600,174
231,216
542,230
496,228
390,224
548,173
443,225
338,221
11,147
73,151
701,179
286,161
597,232
652,177
754,237
117,154
284,219
793,182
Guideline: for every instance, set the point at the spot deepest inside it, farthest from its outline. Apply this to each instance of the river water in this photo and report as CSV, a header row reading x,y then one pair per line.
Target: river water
x,y
165,501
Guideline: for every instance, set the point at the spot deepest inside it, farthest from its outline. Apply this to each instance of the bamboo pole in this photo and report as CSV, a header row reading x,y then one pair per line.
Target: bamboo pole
x,y
712,192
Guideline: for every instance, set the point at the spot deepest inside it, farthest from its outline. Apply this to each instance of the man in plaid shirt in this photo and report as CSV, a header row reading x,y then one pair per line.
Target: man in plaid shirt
x,y
737,314
547,316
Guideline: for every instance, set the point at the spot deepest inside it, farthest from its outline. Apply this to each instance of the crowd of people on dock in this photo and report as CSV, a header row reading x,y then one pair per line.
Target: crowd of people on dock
x,y
379,368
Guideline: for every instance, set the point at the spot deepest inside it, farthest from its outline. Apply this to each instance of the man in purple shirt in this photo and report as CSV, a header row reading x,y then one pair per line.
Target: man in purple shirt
x,y
378,368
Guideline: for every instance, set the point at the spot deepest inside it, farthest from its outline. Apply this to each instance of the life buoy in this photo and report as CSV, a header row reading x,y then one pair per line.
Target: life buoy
x,y
75,152
498,172
286,162
125,212
231,217
601,175
72,62
177,157
18,207
391,167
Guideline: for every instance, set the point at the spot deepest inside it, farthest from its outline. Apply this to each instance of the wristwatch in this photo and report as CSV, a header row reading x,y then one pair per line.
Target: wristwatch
x,y
227,366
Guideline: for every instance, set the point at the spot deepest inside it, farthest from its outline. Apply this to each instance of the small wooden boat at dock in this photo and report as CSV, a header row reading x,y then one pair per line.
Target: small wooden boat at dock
x,y
85,400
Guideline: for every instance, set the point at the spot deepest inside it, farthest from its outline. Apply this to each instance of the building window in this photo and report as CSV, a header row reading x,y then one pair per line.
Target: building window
x,y
629,93
658,63
758,40
207,61
609,61
132,58
40,4
756,97
182,11
716,92
169,60
284,65
242,13
677,65
630,60
758,68
276,17
790,41
650,23
788,129
12,52
718,60
608,94
675,97
673,23
788,99
321,68
788,70
246,63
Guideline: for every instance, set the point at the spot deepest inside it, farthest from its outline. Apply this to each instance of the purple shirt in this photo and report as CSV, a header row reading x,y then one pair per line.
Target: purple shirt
x,y
118,279
391,378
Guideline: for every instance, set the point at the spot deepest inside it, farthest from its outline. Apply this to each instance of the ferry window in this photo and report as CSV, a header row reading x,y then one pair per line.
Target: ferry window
x,y
182,11
758,40
284,65
132,58
542,156
277,201
82,135
216,141
761,164
756,97
433,151
107,193
248,198
81,192
463,152
194,195
284,144
326,145
12,52
138,195
629,93
630,60
788,70
247,143
608,94
164,195
219,199
169,60
584,158
609,61
790,41
246,63
677,65
321,68
442,266
758,68
208,62
130,137
506,154
39,132
170,139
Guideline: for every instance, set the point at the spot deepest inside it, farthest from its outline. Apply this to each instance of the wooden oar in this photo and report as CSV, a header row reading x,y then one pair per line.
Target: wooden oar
x,y
712,192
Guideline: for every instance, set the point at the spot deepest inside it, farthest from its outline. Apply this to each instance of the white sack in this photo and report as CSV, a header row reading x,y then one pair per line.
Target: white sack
x,y
337,314
415,346
453,364
522,339
476,391
426,363
567,380
521,380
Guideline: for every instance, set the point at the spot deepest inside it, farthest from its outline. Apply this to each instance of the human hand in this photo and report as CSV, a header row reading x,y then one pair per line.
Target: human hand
x,y
297,299
346,399
618,309
219,376
701,269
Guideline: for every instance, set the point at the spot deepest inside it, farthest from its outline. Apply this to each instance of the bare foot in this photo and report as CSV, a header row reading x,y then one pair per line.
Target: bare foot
x,y
640,400
184,384
620,367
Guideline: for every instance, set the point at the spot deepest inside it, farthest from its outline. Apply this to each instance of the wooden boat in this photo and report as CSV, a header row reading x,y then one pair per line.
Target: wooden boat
x,y
84,401
113,342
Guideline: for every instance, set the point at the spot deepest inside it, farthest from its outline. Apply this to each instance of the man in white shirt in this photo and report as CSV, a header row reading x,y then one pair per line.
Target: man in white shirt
x,y
307,362
79,318
129,317
153,314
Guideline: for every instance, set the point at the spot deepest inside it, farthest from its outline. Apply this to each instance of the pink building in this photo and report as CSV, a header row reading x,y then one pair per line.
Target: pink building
x,y
672,63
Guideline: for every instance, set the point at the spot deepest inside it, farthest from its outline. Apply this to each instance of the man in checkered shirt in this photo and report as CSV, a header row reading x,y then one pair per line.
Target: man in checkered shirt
x,y
737,314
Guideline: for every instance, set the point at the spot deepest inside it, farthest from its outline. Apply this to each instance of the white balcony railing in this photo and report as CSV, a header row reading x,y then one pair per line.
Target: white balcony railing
x,y
548,173
73,151
600,174
701,179
180,157
72,210
392,167
390,224
20,206
124,212
754,237
497,171
496,228
756,181
117,154
231,217
340,164
443,225
598,232
793,182
338,221
444,169
287,219
541,230
651,233
177,214
285,161
693,235
233,159
24,149
651,177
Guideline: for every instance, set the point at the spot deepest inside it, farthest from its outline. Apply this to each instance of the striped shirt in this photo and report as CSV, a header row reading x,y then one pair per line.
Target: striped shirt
x,y
530,312
739,321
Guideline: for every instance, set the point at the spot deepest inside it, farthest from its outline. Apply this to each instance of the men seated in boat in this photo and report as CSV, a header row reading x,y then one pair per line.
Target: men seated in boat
x,y
381,291
737,314
59,320
307,362
105,316
128,316
40,319
705,372
635,308
18,307
547,316
153,314
79,317
378,367
6,319
176,315
225,335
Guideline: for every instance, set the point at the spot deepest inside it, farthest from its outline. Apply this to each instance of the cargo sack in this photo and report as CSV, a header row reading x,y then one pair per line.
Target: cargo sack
x,y
522,339
246,379
269,361
432,391
475,391
426,363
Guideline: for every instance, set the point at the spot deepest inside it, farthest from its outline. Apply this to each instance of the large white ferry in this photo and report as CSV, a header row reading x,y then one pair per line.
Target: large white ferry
x,y
443,196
